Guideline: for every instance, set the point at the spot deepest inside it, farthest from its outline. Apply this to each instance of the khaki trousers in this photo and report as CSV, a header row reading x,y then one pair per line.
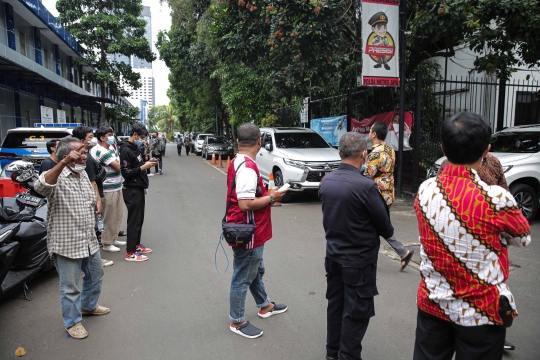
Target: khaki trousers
x,y
113,213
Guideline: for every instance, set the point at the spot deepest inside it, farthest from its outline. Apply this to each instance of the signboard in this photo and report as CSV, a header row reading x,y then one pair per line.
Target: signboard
x,y
380,39
331,128
304,112
47,115
392,138
61,115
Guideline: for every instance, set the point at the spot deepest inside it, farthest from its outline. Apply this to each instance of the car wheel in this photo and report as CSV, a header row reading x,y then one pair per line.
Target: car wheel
x,y
278,181
526,198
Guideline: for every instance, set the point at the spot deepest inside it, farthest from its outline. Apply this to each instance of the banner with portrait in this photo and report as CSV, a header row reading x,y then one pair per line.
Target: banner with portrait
x,y
380,42
391,119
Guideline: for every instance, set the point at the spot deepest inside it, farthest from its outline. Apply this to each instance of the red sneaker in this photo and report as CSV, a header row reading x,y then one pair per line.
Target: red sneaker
x,y
143,249
135,256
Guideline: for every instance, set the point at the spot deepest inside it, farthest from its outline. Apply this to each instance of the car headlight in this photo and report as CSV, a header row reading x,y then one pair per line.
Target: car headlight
x,y
507,168
298,164
211,148
230,147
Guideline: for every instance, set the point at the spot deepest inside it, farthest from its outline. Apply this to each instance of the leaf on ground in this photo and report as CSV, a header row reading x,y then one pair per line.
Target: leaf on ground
x,y
20,351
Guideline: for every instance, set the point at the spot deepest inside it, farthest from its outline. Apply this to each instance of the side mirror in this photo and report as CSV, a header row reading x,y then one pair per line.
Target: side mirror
x,y
268,147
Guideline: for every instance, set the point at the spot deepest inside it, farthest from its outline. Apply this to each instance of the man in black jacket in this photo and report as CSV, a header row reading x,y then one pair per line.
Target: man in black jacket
x,y
133,169
354,216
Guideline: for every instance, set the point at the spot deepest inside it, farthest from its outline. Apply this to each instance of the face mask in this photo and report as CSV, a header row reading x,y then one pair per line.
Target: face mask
x,y
111,140
79,168
92,142
363,168
138,142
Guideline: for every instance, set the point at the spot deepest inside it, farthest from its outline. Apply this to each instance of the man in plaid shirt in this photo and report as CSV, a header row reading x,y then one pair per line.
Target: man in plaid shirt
x,y
71,237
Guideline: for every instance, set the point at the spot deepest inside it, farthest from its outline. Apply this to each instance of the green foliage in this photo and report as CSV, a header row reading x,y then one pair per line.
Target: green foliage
x,y
107,27
121,113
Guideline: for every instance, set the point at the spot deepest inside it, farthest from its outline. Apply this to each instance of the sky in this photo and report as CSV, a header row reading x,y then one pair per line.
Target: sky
x,y
161,20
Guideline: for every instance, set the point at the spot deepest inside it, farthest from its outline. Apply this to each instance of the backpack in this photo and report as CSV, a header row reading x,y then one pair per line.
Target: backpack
x,y
161,145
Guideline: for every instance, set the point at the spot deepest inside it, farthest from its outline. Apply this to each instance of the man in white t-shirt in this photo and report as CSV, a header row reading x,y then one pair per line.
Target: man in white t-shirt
x,y
113,202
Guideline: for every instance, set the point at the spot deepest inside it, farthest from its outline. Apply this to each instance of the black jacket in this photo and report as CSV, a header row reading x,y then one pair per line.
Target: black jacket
x,y
130,163
354,216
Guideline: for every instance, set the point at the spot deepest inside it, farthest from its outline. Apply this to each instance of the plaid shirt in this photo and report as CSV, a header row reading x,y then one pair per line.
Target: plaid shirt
x,y
70,215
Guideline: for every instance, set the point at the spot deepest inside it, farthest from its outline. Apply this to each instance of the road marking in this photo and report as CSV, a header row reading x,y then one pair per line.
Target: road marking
x,y
218,169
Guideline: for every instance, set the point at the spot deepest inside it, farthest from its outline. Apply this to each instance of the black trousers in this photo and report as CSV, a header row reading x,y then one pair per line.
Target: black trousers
x,y
159,165
134,199
437,339
350,293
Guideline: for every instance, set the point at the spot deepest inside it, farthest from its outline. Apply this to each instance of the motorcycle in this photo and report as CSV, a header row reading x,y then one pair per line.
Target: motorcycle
x,y
23,235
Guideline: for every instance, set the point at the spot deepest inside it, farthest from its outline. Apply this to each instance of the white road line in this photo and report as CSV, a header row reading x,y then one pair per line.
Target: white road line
x,y
214,167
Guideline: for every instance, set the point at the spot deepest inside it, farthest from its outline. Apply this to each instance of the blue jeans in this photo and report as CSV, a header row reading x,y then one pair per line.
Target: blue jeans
x,y
71,299
248,271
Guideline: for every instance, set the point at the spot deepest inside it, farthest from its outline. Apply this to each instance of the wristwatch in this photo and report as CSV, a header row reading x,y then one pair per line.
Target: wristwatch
x,y
272,200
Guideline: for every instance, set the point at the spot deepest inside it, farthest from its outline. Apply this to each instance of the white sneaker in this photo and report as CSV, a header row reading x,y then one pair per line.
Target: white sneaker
x,y
110,248
106,262
119,242
150,174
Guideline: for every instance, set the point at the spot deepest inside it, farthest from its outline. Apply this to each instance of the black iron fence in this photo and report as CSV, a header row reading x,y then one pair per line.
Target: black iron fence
x,y
431,101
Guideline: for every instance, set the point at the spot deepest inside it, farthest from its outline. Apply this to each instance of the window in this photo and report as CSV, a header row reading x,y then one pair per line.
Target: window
x,y
61,68
527,108
516,142
46,58
22,43
300,141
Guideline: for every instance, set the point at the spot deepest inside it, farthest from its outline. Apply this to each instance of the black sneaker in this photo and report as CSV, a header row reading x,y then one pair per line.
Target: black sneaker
x,y
509,346
246,330
277,309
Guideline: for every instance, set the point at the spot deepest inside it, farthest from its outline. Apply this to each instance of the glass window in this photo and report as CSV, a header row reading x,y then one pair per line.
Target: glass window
x,y
33,140
300,141
516,142
22,43
215,140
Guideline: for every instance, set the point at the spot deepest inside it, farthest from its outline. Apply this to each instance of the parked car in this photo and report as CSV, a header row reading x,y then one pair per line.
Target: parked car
x,y
29,144
199,142
298,156
518,150
218,145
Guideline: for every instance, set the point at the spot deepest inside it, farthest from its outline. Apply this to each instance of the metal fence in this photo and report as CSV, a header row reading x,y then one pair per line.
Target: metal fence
x,y
431,101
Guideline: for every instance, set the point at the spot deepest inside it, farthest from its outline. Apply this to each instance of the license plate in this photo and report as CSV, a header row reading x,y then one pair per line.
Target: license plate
x,y
35,161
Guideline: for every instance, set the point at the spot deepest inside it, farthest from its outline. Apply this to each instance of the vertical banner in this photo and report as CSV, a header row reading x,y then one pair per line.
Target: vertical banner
x,y
61,115
47,116
380,39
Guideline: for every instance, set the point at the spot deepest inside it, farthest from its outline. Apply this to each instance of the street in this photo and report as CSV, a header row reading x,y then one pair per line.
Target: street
x,y
175,306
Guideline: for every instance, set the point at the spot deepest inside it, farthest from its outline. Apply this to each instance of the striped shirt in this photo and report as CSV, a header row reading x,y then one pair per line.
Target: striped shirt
x,y
106,157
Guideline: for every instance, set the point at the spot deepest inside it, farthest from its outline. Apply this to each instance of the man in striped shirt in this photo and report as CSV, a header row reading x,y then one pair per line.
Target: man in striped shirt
x,y
113,202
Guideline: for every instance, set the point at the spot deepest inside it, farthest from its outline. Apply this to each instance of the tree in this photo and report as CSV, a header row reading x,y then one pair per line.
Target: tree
x,y
107,27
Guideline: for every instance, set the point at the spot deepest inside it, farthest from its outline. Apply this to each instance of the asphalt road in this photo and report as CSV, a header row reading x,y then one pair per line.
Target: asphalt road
x,y
175,306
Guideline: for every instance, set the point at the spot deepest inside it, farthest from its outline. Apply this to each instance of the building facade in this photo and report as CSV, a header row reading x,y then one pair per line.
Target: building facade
x,y
38,71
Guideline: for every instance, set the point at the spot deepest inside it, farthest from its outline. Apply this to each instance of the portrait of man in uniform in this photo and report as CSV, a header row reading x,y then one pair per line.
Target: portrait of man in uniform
x,y
380,37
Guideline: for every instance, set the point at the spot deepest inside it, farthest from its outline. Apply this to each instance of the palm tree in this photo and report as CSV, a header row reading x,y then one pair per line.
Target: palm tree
x,y
169,116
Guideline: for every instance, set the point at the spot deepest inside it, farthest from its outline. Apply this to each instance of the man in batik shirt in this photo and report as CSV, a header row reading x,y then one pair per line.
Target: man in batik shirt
x,y
465,228
380,168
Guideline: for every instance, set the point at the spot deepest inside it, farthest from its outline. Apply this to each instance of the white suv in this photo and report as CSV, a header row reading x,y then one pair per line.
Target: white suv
x,y
199,143
298,156
518,150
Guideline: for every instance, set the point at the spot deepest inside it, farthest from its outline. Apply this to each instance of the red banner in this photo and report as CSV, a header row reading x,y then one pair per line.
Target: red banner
x,y
363,126
379,81
380,50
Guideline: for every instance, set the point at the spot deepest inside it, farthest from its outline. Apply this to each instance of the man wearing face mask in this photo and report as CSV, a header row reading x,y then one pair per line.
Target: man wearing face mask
x,y
133,168
354,216
380,168
72,240
113,202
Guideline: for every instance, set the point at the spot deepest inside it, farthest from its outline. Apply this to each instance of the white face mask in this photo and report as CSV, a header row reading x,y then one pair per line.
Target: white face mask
x,y
79,168
92,142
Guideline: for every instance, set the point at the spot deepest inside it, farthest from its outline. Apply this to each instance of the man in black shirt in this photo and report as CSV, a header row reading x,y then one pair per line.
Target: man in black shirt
x,y
354,216
133,169
52,160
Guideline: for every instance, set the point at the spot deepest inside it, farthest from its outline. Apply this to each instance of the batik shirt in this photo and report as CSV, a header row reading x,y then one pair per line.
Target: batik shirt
x,y
465,228
380,168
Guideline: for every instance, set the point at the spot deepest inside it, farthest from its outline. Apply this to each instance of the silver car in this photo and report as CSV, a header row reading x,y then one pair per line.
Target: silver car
x,y
518,150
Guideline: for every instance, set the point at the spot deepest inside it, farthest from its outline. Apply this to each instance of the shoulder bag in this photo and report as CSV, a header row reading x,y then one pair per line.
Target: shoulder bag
x,y
239,232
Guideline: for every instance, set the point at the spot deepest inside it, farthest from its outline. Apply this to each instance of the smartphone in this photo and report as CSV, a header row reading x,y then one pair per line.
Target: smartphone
x,y
284,187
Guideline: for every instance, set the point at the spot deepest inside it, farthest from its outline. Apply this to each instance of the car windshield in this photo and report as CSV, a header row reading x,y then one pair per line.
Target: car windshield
x,y
516,142
215,140
300,141
31,140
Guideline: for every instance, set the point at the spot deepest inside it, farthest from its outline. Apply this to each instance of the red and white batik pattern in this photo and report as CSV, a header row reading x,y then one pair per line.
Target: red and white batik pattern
x,y
465,227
